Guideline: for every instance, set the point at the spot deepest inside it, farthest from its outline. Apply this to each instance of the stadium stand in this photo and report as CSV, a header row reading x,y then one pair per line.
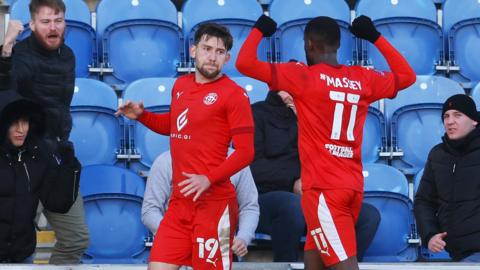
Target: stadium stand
x,y
98,135
256,90
113,201
374,136
412,28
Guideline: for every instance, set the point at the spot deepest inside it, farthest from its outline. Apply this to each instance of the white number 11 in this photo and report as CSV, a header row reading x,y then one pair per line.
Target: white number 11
x,y
338,114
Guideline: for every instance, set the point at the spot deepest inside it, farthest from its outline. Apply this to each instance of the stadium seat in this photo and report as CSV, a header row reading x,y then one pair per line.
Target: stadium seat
x,y
461,21
139,39
374,136
238,15
292,16
113,201
415,120
390,243
256,90
381,177
79,34
425,254
475,94
156,96
98,135
411,26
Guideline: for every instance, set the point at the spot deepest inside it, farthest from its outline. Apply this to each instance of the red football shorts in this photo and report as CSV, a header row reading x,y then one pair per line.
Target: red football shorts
x,y
197,234
331,215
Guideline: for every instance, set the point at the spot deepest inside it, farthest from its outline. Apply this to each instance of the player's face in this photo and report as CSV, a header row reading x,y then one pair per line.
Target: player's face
x,y
457,125
288,100
48,27
17,132
210,56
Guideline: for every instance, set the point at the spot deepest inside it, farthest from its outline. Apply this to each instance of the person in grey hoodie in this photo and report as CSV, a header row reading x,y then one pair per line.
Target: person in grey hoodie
x,y
159,187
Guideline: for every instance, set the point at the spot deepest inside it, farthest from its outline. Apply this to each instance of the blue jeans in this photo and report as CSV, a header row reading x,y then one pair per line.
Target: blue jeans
x,y
281,217
475,257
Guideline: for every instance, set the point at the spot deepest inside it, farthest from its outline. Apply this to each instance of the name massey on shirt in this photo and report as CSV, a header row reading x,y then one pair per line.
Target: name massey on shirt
x,y
338,150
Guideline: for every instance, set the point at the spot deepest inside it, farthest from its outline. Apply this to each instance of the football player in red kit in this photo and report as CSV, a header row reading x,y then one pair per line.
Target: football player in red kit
x,y
332,103
208,112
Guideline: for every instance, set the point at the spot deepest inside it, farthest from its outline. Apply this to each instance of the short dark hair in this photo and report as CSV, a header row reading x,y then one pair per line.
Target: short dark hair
x,y
324,30
56,5
214,30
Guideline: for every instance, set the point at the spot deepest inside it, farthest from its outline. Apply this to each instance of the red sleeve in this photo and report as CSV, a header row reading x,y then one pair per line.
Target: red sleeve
x,y
402,71
239,159
240,121
289,77
157,122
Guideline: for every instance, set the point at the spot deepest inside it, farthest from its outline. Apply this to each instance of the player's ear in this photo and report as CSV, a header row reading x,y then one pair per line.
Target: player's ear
x,y
227,57
193,51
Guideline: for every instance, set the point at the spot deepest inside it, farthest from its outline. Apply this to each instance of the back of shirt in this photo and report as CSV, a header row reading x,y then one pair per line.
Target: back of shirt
x,y
332,105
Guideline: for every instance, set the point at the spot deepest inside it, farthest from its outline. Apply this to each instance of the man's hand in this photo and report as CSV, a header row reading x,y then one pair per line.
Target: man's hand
x,y
195,183
297,187
436,243
239,247
266,25
130,110
363,27
14,29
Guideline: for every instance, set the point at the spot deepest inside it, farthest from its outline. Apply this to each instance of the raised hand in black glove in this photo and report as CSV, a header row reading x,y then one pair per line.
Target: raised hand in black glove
x,y
362,27
66,151
266,25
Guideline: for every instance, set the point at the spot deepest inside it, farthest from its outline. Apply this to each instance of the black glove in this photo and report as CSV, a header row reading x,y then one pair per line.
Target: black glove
x,y
66,151
362,27
266,25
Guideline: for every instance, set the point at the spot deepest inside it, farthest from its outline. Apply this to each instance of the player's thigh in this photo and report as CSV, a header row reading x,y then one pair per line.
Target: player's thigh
x,y
214,228
173,241
162,266
330,217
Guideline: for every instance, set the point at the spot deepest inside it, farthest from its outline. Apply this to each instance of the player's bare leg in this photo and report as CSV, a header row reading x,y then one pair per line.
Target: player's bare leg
x,y
312,260
162,266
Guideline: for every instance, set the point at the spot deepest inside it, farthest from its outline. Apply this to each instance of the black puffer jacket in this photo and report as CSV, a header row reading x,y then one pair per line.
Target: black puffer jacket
x,y
29,174
276,165
448,198
46,77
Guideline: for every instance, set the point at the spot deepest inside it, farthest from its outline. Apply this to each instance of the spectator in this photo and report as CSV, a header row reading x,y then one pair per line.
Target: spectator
x,y
29,173
447,203
42,68
276,171
159,188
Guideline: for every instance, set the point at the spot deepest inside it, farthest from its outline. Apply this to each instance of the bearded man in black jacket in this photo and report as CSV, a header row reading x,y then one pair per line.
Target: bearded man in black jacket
x,y
447,203
42,68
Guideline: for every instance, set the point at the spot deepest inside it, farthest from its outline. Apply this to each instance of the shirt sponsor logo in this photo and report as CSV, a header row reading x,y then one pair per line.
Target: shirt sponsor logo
x,y
182,120
210,98
339,151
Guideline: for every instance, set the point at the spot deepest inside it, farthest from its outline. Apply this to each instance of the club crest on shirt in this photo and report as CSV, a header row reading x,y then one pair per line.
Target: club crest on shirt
x,y
210,98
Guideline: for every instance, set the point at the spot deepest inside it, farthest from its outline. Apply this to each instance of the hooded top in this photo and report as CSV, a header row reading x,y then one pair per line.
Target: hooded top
x,y
29,174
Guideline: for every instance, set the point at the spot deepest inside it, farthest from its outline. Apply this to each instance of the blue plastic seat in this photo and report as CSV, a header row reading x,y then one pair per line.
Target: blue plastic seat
x,y
238,15
96,133
79,34
113,201
461,22
139,39
156,96
374,136
381,177
415,120
390,243
426,254
411,27
475,94
292,16
256,90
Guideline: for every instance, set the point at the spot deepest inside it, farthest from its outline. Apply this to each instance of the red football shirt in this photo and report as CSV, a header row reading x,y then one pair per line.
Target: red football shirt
x,y
203,119
332,104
